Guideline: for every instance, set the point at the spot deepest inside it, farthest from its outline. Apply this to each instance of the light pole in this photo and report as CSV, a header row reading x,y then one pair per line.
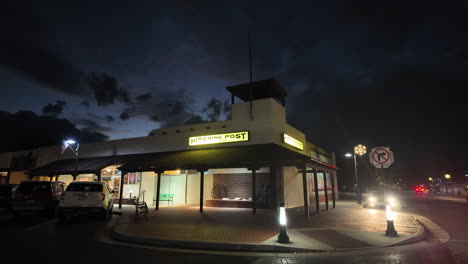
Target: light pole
x,y
68,143
358,150
447,178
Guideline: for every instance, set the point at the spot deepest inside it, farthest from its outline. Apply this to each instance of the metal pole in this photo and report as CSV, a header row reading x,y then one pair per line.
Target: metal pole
x,y
317,202
358,190
254,205
202,176
122,175
304,191
158,190
332,178
325,184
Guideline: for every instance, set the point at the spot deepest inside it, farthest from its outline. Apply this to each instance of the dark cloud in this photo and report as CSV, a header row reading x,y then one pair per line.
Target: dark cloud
x,y
32,50
54,109
105,88
144,97
84,103
401,107
92,126
213,109
110,118
48,131
124,116
196,119
169,108
29,48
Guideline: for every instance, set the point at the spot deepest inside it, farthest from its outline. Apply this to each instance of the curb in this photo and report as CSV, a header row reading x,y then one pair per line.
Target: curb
x,y
210,246
419,236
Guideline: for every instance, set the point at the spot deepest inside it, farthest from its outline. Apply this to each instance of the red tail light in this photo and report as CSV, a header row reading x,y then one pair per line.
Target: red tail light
x,y
103,196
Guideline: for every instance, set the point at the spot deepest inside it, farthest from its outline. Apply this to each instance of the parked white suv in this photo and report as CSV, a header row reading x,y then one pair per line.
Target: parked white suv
x,y
86,198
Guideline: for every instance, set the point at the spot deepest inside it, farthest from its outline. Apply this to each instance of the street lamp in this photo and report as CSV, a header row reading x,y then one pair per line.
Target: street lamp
x,y
67,143
359,150
447,176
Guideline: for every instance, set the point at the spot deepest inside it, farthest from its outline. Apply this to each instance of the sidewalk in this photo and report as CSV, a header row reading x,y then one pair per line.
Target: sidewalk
x,y
347,227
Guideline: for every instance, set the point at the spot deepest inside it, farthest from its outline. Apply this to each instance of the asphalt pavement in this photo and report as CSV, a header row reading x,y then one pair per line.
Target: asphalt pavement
x,y
86,240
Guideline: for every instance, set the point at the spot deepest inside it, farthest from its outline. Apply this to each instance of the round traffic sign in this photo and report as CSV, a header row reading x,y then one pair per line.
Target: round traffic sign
x,y
380,155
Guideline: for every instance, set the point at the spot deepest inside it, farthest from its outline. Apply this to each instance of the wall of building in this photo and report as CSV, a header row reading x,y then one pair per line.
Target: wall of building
x,y
148,185
293,191
5,159
18,176
193,188
66,178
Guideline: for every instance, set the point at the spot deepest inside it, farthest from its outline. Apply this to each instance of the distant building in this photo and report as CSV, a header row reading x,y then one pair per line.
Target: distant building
x,y
253,160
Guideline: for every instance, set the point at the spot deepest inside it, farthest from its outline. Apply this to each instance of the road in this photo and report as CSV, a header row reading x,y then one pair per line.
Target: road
x,y
449,213
33,238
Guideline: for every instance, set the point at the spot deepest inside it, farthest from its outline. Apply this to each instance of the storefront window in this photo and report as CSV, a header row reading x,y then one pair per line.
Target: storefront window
x,y
132,178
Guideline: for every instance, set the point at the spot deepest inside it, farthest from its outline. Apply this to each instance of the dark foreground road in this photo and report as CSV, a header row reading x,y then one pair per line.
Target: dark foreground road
x,y
449,213
87,241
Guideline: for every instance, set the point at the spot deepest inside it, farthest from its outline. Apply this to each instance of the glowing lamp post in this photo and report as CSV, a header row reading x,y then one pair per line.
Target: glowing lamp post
x,y
447,176
390,226
430,179
283,236
358,150
68,143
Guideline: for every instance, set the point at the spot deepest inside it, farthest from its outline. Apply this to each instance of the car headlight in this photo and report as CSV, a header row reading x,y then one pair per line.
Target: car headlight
x,y
372,199
391,200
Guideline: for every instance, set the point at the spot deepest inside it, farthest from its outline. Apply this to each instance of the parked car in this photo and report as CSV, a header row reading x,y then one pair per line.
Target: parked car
x,y
6,192
86,198
381,198
37,196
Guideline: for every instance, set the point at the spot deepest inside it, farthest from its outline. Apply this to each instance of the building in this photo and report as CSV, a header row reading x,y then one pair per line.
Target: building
x,y
256,153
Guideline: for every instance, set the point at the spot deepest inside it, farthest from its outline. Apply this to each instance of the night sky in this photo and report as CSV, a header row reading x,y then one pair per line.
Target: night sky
x,y
378,73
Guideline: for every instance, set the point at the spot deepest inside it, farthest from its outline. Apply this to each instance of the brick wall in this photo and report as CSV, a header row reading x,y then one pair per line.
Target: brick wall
x,y
240,184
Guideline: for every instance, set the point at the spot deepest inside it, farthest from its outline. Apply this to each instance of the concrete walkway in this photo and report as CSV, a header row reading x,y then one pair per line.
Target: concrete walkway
x,y
347,227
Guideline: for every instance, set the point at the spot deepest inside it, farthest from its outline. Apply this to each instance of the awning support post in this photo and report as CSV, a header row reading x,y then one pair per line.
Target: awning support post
x,y
158,189
317,201
304,190
122,175
325,185
98,174
254,179
202,182
332,178
8,177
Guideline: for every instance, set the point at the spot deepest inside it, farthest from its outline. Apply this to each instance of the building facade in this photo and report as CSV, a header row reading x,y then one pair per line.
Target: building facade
x,y
255,160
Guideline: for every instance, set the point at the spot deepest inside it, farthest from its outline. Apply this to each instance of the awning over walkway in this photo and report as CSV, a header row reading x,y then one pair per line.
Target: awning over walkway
x,y
85,165
229,157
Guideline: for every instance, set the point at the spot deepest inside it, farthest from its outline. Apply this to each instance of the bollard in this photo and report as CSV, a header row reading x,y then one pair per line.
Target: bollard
x,y
283,236
390,227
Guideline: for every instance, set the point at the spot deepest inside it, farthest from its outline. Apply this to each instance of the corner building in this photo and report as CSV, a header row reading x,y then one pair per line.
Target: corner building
x,y
253,160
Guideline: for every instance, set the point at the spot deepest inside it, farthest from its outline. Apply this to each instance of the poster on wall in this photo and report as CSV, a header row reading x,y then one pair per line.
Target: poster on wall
x,y
132,178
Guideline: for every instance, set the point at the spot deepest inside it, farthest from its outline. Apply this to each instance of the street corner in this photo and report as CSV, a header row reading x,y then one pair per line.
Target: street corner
x,y
432,229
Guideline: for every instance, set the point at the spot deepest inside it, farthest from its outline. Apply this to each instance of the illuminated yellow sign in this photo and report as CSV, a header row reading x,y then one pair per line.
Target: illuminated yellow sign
x,y
220,138
293,142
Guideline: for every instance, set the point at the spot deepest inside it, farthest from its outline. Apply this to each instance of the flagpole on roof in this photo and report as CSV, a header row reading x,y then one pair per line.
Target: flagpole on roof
x,y
251,86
